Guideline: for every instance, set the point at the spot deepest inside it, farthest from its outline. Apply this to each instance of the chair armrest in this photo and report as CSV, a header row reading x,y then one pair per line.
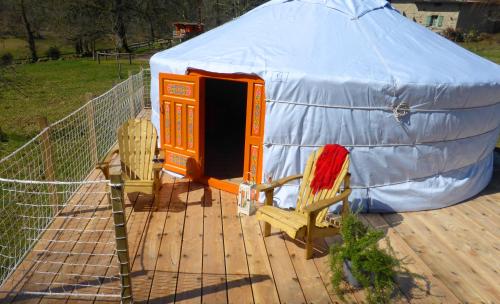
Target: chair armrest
x,y
157,166
277,183
160,153
107,159
104,164
318,206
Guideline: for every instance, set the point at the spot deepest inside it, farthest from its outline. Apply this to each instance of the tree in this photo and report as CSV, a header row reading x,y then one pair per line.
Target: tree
x,y
118,12
30,38
82,22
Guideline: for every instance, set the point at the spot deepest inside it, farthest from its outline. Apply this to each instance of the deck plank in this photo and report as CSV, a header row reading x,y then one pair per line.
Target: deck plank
x,y
261,275
214,267
466,247
130,201
429,288
144,264
167,264
355,295
470,236
307,273
190,269
239,285
139,223
486,220
19,278
322,263
287,283
91,245
45,273
458,277
185,251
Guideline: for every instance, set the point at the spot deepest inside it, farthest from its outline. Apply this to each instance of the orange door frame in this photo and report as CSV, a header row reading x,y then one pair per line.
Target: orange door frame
x,y
250,80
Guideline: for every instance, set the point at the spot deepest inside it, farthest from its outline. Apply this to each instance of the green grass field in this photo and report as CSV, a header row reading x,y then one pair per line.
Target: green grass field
x,y
488,48
19,48
52,89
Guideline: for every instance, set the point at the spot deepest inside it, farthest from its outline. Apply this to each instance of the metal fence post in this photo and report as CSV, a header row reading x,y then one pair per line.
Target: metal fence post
x,y
117,199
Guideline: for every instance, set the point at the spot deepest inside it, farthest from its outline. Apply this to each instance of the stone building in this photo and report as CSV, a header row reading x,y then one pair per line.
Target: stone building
x,y
465,15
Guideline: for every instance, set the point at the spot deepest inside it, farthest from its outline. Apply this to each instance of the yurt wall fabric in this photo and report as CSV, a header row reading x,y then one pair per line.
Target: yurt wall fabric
x,y
335,71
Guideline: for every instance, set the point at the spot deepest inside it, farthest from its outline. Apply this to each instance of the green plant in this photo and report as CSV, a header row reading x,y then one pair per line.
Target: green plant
x,y
53,53
6,59
374,268
453,34
3,136
471,36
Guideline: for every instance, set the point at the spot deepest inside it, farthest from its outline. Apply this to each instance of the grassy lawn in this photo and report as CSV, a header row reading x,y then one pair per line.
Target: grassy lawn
x,y
52,89
19,48
488,48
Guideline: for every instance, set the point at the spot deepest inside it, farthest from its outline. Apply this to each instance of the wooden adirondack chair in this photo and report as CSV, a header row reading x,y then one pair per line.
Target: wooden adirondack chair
x,y
309,218
138,149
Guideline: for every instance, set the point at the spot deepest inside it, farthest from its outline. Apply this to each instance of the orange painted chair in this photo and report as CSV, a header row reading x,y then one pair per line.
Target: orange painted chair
x,y
309,218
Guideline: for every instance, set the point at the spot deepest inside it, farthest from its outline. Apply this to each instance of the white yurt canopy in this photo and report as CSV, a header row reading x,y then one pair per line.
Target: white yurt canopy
x,y
336,71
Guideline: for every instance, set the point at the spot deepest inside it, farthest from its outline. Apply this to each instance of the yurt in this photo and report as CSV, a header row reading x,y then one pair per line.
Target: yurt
x,y
252,98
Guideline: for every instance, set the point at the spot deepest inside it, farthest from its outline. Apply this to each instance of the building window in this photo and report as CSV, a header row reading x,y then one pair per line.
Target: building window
x,y
434,21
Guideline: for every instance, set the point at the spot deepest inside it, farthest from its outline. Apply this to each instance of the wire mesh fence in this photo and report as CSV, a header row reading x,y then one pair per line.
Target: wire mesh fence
x,y
70,254
42,186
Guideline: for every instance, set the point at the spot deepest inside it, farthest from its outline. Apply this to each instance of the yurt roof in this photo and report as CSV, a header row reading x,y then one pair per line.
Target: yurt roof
x,y
344,43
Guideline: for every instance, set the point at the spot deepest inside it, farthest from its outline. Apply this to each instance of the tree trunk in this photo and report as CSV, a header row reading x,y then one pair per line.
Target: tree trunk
x,y
200,16
78,46
119,26
152,29
86,48
217,13
29,33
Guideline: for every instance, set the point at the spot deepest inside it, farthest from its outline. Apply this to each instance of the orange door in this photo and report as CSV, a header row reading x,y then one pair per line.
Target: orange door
x,y
254,131
180,123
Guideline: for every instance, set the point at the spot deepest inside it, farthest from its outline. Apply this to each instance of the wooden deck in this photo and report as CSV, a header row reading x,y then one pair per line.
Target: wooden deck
x,y
192,247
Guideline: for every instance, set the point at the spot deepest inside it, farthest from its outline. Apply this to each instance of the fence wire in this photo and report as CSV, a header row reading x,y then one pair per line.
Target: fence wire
x,y
53,219
69,252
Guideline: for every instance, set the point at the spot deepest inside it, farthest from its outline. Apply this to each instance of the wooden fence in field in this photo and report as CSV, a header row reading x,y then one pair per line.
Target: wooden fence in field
x,y
109,52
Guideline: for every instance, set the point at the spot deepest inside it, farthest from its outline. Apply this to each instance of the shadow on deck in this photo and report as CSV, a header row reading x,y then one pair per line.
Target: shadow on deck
x,y
192,247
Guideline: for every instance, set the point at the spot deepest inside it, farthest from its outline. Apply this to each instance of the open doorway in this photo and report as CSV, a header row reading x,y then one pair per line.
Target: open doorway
x,y
225,115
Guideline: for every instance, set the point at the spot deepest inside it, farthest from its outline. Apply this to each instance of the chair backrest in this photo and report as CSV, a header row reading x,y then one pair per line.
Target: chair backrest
x,y
137,140
306,196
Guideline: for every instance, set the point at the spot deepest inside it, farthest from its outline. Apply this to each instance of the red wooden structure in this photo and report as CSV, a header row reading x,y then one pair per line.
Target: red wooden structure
x,y
184,30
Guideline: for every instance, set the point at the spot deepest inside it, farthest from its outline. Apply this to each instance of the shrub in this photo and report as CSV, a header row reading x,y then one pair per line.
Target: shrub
x,y
485,36
6,59
453,34
53,53
374,268
3,136
471,36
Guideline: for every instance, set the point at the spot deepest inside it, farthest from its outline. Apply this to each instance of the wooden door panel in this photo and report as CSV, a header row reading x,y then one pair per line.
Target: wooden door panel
x,y
254,133
179,122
